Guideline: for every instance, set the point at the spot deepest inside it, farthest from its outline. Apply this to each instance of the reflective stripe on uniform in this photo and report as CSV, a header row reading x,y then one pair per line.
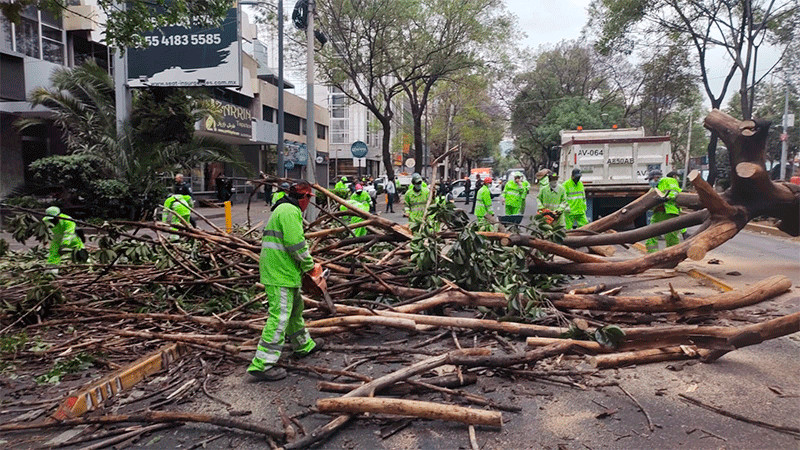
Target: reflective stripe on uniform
x,y
283,318
273,233
265,344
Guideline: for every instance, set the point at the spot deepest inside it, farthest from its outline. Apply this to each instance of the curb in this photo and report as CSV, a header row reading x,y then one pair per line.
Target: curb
x,y
772,231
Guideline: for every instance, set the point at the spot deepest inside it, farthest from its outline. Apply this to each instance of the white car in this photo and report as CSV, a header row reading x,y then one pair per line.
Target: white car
x,y
457,188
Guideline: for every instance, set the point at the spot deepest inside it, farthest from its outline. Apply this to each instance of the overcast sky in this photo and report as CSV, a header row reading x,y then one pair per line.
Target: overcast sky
x,y
546,22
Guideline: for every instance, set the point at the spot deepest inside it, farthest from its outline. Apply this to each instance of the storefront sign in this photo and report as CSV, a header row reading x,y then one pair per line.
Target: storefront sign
x,y
236,121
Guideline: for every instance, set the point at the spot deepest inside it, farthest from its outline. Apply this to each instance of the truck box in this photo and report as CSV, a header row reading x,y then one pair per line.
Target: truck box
x,y
614,164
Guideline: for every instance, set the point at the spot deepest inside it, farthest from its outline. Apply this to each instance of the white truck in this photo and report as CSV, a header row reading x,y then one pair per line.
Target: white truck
x,y
614,164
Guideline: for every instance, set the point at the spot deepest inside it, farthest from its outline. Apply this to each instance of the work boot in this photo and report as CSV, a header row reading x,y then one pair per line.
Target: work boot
x,y
271,374
319,344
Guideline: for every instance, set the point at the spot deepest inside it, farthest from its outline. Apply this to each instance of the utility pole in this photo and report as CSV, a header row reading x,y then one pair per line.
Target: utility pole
x,y
279,160
311,126
122,96
785,137
688,147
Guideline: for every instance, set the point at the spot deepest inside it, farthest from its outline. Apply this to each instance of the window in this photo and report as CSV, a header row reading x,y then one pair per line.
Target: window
x,y
339,112
340,137
6,37
52,45
303,126
321,131
291,123
85,50
269,113
28,37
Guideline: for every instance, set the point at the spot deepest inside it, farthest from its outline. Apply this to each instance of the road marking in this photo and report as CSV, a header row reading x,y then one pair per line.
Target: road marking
x,y
709,280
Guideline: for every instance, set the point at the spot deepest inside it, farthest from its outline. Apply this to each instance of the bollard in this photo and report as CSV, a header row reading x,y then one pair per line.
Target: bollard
x,y
228,220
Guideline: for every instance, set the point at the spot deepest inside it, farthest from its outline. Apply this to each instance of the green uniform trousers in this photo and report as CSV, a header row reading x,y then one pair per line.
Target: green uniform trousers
x,y
670,238
580,219
285,321
513,210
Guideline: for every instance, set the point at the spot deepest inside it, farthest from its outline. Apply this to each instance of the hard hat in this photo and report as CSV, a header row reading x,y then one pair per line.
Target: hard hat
x,y
517,174
359,187
416,178
655,173
487,180
284,186
576,171
300,188
52,211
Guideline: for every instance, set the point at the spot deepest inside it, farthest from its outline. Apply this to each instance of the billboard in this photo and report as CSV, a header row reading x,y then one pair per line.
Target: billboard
x,y
235,121
185,55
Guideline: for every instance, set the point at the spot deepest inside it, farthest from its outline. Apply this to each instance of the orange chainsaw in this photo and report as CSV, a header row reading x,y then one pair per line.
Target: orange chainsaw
x,y
549,215
315,284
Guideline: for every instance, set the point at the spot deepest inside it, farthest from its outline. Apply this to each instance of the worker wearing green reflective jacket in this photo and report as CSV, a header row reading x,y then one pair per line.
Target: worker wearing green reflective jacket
x,y
415,199
341,188
284,258
283,189
65,235
576,199
483,204
542,177
667,210
526,188
177,211
512,193
360,200
553,197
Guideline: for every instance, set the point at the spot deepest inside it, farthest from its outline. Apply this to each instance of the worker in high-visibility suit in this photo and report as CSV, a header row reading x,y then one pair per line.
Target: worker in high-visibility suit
x,y
341,189
415,199
65,236
177,211
512,193
576,199
553,197
670,188
283,189
284,259
360,200
542,177
483,204
526,188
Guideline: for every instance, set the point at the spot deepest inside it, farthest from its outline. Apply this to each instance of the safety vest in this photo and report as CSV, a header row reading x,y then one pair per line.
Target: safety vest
x,y
284,252
526,187
483,202
513,194
177,205
341,190
553,200
363,197
63,236
415,203
576,196
670,187
277,196
354,218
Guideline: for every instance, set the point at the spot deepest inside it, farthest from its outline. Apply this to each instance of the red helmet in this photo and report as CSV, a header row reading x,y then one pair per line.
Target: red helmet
x,y
487,180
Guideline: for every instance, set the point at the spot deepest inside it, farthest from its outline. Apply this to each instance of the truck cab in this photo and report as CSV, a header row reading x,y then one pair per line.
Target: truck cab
x,y
614,164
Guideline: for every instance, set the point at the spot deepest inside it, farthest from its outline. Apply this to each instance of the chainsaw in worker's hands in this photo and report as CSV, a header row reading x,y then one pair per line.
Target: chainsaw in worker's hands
x,y
315,284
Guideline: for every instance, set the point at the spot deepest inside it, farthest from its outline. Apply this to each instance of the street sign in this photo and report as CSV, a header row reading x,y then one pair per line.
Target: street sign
x,y
187,55
288,165
789,120
410,162
359,149
359,162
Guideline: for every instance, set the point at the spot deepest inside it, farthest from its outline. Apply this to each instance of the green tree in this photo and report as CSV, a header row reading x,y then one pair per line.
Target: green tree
x,y
737,29
82,103
442,39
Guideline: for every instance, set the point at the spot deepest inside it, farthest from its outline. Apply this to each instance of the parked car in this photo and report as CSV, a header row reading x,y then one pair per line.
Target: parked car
x,y
457,188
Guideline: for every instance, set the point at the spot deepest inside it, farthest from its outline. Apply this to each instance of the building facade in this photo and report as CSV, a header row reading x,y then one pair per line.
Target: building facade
x,y
31,50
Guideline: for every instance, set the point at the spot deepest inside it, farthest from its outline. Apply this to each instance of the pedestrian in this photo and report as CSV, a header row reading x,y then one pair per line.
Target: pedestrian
x,y
553,198
576,199
667,210
415,199
268,193
65,236
391,190
467,188
284,258
483,204
361,196
512,193
542,178
478,185
181,187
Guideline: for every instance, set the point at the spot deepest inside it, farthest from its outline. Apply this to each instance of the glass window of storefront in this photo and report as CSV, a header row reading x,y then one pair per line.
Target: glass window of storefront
x,y
38,35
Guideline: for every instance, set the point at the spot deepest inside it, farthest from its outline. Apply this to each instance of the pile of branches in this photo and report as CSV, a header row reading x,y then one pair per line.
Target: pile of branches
x,y
149,283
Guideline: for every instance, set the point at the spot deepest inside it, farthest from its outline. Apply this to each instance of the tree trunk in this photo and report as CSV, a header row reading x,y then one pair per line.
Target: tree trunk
x,y
419,149
386,148
413,408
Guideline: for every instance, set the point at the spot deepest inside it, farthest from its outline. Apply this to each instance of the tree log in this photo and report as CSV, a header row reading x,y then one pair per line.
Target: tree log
x,y
412,408
448,381
330,231
639,234
709,197
391,322
377,220
548,247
